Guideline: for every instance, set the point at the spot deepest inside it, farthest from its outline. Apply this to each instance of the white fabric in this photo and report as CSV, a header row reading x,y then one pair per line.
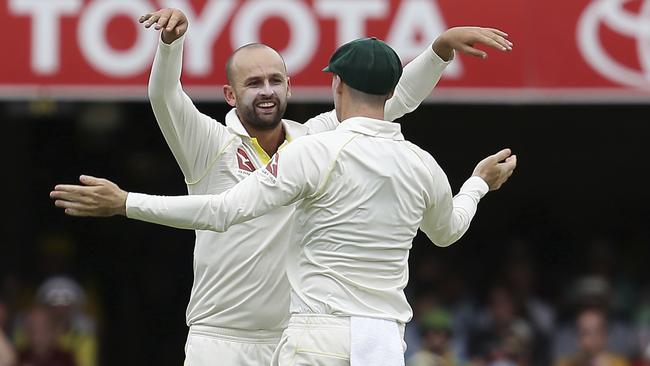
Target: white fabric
x,y
375,342
314,340
239,279
362,193
227,347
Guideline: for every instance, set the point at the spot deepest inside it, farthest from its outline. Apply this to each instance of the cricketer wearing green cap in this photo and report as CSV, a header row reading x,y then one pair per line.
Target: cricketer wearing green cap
x,y
360,194
368,65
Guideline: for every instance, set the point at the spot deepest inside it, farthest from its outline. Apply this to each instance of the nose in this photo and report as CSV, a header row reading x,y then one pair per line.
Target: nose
x,y
266,90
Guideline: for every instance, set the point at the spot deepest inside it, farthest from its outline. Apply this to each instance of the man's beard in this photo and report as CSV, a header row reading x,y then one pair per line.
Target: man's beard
x,y
251,116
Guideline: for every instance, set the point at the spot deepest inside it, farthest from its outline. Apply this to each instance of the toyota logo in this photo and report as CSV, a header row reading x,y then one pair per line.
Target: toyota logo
x,y
611,13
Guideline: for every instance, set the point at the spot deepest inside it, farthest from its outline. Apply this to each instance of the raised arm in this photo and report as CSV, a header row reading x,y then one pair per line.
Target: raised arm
x,y
422,74
194,138
447,218
291,175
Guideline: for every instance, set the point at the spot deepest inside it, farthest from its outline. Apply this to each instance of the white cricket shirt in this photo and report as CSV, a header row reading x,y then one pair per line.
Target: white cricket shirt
x,y
362,192
239,275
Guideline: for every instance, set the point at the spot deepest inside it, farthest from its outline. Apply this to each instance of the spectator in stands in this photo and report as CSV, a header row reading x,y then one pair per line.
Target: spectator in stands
x,y
593,292
520,278
502,336
642,324
436,330
42,348
591,326
7,353
63,298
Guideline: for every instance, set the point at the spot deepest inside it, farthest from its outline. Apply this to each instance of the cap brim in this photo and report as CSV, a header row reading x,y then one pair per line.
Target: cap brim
x,y
327,69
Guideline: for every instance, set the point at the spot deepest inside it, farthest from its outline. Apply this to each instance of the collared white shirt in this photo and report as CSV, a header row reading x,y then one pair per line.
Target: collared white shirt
x,y
361,193
239,275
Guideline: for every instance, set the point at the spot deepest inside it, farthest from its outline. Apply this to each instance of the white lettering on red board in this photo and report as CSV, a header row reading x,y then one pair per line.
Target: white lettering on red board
x,y
412,29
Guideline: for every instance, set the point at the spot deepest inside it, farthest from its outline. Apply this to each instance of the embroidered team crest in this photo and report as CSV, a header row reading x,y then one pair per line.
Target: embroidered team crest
x,y
244,161
272,166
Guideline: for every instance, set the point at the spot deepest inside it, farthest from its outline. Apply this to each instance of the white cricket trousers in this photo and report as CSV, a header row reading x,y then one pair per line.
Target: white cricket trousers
x,y
315,340
209,346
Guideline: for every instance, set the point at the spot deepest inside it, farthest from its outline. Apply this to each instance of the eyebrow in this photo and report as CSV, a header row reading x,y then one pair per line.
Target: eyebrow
x,y
257,77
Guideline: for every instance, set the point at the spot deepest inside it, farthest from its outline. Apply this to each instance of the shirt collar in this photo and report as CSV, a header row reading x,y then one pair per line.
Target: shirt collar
x,y
373,127
292,129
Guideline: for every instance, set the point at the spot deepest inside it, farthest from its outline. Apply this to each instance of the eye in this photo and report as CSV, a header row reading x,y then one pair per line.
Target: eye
x,y
252,83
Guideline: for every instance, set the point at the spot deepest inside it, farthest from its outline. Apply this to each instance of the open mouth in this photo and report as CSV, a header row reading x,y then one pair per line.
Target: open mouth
x,y
266,107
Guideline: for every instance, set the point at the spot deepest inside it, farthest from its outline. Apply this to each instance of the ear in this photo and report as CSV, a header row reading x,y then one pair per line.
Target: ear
x,y
288,87
229,94
337,84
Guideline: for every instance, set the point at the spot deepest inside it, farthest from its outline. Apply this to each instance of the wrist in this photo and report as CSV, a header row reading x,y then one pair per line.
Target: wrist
x,y
168,37
122,208
443,49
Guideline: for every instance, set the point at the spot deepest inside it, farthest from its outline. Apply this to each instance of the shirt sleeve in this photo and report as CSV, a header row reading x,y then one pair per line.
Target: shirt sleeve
x,y
194,138
323,122
447,218
419,78
290,176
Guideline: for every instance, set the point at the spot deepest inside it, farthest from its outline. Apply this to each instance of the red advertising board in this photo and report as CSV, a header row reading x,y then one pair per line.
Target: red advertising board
x,y
570,50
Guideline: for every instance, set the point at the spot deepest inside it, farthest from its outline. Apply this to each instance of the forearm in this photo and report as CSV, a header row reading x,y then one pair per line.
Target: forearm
x,y
463,208
419,78
191,135
165,76
250,198
183,212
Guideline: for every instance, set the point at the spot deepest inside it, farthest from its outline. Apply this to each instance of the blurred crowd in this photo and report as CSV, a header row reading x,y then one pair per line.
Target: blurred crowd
x,y
51,329
513,309
598,318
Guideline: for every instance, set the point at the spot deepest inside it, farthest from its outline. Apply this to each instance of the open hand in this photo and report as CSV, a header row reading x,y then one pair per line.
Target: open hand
x,y
97,197
173,23
496,169
463,39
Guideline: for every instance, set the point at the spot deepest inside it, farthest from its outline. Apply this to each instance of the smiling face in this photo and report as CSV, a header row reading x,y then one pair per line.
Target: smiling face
x,y
259,86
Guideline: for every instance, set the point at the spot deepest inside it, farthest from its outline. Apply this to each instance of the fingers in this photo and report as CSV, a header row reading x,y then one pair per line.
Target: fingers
x,y
70,197
505,45
69,204
491,42
501,155
77,213
473,51
173,22
79,190
152,19
92,181
497,31
143,18
510,164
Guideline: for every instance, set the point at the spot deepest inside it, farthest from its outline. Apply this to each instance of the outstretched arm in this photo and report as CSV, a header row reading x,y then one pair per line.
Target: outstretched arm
x,y
447,218
422,74
290,176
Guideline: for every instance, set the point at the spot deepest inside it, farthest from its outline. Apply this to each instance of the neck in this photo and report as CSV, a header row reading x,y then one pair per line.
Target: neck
x,y
269,140
360,110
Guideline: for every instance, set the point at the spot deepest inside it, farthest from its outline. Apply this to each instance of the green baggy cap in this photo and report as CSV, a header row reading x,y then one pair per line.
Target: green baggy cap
x,y
368,65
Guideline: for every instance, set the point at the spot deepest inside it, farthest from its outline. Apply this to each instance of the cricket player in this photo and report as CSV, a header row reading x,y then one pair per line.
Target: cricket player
x,y
240,296
360,193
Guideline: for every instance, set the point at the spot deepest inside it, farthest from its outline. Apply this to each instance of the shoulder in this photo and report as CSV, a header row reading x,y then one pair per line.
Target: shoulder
x,y
319,147
425,157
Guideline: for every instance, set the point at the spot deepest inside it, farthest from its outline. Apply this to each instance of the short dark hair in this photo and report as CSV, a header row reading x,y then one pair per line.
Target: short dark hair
x,y
367,98
229,69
